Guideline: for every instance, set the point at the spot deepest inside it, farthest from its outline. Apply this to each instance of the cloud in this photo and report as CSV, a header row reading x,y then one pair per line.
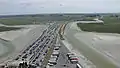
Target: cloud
x,y
48,6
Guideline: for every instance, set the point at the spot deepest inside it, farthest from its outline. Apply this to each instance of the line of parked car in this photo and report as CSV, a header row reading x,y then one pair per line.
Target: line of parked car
x,y
54,56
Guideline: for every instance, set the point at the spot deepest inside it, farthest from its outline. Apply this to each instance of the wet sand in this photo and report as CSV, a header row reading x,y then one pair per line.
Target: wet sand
x,y
92,54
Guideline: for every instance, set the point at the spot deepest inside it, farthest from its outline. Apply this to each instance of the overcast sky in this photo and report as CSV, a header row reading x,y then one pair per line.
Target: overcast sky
x,y
57,6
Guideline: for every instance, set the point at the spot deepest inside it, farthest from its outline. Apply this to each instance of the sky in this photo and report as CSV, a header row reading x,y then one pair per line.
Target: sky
x,y
11,7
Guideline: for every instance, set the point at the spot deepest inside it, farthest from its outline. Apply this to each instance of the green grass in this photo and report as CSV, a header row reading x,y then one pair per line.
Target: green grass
x,y
16,21
28,20
111,25
89,19
3,28
111,20
24,20
47,56
40,19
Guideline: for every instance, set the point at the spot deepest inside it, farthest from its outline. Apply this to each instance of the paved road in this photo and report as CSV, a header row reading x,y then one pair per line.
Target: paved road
x,y
99,60
63,60
62,57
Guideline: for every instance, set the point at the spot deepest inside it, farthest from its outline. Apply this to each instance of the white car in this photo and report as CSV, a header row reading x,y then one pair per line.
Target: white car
x,y
53,61
56,48
74,61
69,54
73,57
53,56
50,64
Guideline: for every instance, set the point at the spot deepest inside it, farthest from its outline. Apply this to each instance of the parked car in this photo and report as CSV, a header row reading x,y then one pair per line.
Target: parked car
x,y
73,58
55,53
57,45
74,61
50,64
56,48
53,61
69,54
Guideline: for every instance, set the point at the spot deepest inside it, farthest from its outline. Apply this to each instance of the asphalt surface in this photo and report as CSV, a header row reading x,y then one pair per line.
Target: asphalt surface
x,y
63,59
95,57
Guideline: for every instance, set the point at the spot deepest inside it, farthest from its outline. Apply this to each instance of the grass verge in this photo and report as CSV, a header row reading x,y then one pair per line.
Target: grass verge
x,y
111,25
47,56
102,28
